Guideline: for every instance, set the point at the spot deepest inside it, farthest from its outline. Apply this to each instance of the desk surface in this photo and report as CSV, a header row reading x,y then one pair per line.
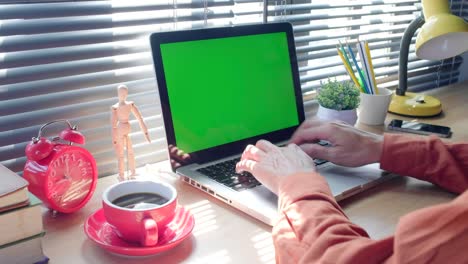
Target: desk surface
x,y
225,235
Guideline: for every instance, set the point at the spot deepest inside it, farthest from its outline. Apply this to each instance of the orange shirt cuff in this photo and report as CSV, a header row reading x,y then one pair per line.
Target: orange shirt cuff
x,y
301,186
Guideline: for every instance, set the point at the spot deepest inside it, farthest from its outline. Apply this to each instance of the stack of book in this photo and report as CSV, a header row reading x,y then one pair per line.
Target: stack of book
x,y
21,226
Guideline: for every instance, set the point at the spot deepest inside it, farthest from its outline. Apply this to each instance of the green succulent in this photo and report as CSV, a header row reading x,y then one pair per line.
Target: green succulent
x,y
338,95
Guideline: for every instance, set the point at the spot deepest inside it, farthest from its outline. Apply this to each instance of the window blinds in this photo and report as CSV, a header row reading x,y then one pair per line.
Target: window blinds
x,y
320,24
64,59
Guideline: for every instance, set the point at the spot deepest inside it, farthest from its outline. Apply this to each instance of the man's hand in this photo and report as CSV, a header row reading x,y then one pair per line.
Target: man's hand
x,y
269,163
178,157
350,146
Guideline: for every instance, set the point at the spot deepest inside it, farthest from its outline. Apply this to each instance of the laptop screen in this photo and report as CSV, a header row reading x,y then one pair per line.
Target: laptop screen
x,y
222,90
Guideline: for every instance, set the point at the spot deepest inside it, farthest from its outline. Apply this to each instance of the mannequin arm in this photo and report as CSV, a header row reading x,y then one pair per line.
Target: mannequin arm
x,y
143,127
114,121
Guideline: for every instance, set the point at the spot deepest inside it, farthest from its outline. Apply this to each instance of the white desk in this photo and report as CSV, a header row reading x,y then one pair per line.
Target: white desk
x,y
225,235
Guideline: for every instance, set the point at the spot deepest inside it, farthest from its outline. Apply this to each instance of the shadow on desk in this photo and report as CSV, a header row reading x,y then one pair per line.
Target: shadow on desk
x,y
91,253
378,209
400,185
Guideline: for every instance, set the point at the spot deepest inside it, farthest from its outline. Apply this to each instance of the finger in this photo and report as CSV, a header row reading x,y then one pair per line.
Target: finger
x,y
253,153
185,156
316,151
175,164
313,122
246,149
312,134
304,135
173,150
310,123
266,146
297,149
246,165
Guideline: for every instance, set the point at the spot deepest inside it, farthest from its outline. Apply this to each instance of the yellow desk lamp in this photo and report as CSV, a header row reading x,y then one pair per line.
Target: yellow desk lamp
x,y
442,36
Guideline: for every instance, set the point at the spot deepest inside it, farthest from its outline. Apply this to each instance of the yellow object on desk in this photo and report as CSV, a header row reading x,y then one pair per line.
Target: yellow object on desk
x,y
413,104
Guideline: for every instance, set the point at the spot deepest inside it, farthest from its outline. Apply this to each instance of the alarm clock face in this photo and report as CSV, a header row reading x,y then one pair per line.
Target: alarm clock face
x,y
71,178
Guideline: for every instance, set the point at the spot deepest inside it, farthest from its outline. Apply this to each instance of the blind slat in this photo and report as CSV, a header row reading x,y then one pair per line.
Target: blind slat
x,y
73,111
86,124
344,14
378,72
50,25
71,53
18,90
94,146
63,69
320,46
385,68
88,8
33,103
354,23
337,62
336,4
328,35
332,52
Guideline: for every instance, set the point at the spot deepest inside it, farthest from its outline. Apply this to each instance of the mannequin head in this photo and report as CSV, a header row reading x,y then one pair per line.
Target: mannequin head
x,y
122,92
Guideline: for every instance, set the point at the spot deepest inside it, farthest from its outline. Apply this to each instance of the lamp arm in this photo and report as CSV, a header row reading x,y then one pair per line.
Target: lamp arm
x,y
404,50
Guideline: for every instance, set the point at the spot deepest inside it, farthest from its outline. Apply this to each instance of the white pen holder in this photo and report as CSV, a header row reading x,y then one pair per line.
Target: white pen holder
x,y
373,107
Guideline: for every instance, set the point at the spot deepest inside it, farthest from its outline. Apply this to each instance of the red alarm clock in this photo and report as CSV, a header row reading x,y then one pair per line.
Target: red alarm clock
x,y
62,175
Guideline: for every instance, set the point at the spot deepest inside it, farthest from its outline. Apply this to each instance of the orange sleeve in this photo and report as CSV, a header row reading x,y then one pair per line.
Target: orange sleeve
x,y
427,158
313,229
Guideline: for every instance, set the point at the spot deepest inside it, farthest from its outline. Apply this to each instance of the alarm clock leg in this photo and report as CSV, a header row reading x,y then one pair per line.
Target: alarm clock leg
x,y
53,213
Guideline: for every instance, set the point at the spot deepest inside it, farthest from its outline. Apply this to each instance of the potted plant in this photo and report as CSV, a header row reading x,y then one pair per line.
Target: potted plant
x,y
338,101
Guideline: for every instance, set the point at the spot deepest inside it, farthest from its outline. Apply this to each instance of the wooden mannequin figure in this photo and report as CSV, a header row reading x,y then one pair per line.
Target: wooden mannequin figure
x,y
121,132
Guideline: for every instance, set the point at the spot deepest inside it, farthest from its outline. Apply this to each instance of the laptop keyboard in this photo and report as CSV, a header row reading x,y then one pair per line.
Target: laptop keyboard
x,y
225,173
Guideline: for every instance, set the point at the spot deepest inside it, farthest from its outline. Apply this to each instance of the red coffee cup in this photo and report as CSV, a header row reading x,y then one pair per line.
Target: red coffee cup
x,y
139,209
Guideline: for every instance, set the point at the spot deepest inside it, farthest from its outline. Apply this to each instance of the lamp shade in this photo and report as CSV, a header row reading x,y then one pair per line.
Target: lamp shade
x,y
443,35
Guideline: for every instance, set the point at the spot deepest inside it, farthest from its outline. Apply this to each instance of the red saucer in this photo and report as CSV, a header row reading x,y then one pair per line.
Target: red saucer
x,y
102,233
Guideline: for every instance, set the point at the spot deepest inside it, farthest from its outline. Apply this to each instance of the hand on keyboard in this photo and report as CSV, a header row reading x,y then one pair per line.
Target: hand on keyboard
x,y
225,173
268,163
350,147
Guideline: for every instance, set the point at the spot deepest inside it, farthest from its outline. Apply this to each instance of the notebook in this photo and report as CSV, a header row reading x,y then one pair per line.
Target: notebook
x,y
13,190
224,88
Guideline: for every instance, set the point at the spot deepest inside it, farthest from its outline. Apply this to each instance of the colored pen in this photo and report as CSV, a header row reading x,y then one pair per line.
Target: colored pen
x,y
365,66
349,70
366,44
358,69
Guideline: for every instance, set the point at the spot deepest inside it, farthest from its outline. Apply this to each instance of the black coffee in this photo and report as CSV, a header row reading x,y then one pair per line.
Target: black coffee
x,y
140,200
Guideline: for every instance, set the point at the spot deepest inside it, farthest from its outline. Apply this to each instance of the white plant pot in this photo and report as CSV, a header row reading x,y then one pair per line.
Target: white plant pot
x,y
347,116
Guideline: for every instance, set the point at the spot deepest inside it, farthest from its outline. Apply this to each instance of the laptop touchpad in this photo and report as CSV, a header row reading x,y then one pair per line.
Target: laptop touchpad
x,y
342,179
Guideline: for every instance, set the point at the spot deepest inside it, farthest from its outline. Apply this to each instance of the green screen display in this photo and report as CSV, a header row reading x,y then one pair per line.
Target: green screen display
x,y
227,89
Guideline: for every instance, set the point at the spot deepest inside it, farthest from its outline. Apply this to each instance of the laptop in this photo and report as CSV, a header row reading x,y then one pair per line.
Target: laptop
x,y
224,88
